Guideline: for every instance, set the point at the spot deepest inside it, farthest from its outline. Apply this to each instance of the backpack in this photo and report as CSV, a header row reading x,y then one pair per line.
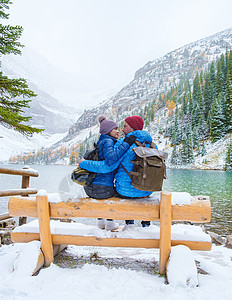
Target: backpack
x,y
149,168
84,177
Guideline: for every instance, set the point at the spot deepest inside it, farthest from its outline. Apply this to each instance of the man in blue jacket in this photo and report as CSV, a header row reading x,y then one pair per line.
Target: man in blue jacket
x,y
133,126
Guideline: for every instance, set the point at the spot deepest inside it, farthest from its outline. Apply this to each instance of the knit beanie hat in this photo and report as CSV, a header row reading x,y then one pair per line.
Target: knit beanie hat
x,y
135,122
106,125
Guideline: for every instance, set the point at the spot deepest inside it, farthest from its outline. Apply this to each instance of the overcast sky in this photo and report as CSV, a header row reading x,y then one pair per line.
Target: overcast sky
x,y
106,41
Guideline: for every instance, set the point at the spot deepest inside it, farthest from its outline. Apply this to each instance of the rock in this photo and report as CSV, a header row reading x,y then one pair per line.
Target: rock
x,y
229,241
5,236
216,238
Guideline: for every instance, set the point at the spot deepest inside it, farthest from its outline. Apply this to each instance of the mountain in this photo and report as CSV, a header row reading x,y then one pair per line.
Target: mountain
x,y
46,109
144,94
158,76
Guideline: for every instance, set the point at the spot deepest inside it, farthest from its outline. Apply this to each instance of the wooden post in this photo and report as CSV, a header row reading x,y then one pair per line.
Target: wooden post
x,y
25,184
165,230
44,229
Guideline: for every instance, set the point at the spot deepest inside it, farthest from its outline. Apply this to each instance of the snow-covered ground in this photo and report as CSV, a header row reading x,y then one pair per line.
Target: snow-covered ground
x,y
99,282
91,281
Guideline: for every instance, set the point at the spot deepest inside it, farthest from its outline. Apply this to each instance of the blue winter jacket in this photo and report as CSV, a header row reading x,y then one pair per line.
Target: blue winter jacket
x,y
123,182
107,152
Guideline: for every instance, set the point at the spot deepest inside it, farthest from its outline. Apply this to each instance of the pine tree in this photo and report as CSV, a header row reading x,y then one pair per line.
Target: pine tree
x,y
217,122
202,150
228,165
175,159
207,96
228,104
212,81
15,93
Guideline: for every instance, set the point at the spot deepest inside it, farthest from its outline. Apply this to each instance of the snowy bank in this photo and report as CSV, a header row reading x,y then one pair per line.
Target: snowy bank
x,y
99,282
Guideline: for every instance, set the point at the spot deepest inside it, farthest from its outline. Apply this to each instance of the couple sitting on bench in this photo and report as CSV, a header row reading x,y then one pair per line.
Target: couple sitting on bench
x,y
111,178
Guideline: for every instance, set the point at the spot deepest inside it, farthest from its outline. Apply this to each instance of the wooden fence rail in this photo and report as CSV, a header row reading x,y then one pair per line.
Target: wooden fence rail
x,y
26,173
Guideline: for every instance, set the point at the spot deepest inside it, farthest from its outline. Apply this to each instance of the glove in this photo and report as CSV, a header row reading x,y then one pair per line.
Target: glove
x,y
130,139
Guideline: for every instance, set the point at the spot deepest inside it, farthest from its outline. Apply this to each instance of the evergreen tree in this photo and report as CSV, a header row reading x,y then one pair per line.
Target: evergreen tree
x,y
228,104
187,155
202,150
14,92
212,81
175,159
195,136
207,96
228,165
196,88
217,123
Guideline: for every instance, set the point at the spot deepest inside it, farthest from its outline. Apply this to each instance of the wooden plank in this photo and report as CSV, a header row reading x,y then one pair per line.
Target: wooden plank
x,y
198,212
113,208
19,172
44,229
118,209
57,239
23,207
193,245
165,230
13,192
40,263
25,185
4,216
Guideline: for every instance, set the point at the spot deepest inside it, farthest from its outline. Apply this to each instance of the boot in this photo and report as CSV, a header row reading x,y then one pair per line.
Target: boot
x,y
111,225
100,223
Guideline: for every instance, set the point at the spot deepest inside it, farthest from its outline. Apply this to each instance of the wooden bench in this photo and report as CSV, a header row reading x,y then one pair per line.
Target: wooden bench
x,y
198,211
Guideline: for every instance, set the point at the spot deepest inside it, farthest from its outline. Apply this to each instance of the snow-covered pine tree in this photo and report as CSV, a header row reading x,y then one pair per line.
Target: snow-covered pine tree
x,y
228,102
228,165
202,150
217,121
175,158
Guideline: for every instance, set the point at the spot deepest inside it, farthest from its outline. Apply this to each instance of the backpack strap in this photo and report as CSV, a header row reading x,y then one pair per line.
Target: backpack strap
x,y
139,144
126,171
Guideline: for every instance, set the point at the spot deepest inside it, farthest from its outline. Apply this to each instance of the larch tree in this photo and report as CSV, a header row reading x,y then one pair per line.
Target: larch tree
x,y
14,93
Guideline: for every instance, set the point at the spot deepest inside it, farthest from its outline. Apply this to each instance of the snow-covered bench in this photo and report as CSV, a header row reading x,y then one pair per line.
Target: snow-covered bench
x,y
176,207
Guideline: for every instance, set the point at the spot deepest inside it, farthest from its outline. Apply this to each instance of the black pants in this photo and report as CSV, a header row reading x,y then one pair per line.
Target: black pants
x,y
100,191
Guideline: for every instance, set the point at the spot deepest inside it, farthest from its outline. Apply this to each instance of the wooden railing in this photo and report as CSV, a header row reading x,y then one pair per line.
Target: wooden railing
x,y
26,173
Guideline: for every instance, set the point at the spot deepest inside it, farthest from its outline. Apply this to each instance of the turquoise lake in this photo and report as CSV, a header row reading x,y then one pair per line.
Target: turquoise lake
x,y
216,184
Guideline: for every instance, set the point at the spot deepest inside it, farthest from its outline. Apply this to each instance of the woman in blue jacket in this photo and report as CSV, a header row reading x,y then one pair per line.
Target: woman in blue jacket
x,y
102,187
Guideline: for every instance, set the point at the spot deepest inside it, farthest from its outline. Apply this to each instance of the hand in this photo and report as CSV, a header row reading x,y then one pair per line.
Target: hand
x,y
80,162
130,139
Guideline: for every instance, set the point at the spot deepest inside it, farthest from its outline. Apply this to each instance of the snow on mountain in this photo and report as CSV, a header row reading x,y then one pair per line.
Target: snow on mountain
x,y
157,77
12,143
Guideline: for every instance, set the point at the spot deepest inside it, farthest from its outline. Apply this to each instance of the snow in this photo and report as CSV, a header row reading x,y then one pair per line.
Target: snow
x,y
99,282
42,193
186,273
178,231
25,263
181,198
12,143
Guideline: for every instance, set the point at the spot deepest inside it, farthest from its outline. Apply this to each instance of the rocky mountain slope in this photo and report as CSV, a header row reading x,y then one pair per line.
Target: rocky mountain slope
x,y
157,77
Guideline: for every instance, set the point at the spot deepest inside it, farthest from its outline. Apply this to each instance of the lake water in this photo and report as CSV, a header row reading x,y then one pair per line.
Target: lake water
x,y
216,184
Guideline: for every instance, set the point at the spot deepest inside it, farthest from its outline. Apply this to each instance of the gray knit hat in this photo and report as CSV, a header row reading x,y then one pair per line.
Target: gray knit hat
x,y
106,125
